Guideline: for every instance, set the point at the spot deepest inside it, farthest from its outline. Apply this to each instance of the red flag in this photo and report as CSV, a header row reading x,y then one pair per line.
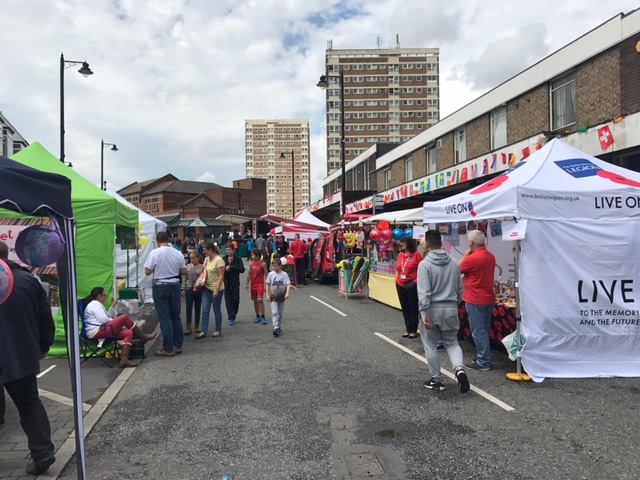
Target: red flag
x,y
605,137
526,151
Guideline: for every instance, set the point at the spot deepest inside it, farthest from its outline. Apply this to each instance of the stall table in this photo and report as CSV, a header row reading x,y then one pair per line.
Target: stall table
x,y
382,287
502,323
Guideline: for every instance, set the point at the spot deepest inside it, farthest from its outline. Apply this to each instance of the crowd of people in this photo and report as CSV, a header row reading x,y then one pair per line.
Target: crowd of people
x,y
209,277
430,286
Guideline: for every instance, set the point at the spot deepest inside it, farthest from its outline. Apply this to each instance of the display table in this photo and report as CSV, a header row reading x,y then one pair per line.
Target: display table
x,y
502,323
382,287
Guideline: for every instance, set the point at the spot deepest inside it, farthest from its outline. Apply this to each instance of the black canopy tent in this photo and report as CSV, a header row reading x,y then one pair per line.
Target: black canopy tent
x,y
31,192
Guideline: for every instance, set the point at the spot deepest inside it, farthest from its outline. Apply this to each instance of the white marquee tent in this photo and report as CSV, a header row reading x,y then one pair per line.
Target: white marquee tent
x,y
133,269
579,279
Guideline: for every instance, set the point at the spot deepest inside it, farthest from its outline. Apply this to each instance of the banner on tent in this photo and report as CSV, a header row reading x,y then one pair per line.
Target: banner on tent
x,y
10,228
580,297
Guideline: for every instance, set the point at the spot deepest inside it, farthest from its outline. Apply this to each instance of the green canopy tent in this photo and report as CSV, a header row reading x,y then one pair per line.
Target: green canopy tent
x,y
96,214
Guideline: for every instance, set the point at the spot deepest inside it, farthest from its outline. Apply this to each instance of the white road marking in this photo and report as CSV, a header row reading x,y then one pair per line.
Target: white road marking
x,y
61,399
329,306
42,374
479,391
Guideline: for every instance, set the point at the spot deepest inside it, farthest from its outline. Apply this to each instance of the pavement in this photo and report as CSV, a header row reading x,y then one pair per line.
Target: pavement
x,y
55,392
331,398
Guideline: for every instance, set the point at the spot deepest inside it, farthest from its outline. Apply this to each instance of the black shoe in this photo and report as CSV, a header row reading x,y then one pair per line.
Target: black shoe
x,y
463,381
434,385
476,366
276,332
41,466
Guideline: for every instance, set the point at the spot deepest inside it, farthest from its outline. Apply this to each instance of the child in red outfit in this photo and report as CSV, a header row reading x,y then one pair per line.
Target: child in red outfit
x,y
255,282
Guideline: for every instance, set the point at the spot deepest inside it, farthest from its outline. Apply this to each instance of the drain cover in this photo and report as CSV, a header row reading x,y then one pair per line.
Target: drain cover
x,y
365,465
343,421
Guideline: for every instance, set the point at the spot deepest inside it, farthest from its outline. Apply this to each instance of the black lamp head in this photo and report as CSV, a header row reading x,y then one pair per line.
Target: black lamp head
x,y
85,70
282,155
114,148
322,83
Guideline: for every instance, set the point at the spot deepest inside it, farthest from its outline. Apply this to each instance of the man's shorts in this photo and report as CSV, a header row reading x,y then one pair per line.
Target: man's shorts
x,y
257,293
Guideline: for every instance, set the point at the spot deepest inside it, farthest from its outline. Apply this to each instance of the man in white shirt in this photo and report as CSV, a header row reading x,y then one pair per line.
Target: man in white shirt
x,y
167,264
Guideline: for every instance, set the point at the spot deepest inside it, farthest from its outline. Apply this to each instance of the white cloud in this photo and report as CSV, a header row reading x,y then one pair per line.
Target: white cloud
x,y
206,177
175,80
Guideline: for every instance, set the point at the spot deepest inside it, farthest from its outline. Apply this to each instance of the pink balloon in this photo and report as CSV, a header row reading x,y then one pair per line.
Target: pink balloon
x,y
374,234
387,234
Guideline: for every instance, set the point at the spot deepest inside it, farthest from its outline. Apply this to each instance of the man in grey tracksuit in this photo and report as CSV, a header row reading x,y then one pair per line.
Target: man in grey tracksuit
x,y
439,292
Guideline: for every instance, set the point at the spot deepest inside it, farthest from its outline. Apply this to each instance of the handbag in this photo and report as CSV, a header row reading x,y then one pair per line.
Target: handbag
x,y
198,285
410,285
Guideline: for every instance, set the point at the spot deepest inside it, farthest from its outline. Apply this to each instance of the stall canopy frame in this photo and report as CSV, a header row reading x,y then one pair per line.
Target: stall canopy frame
x,y
28,191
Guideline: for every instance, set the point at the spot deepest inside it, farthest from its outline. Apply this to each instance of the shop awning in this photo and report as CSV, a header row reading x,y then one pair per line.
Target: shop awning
x,y
234,218
198,222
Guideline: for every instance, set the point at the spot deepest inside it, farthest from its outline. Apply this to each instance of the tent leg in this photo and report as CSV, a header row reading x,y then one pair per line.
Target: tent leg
x,y
519,376
73,346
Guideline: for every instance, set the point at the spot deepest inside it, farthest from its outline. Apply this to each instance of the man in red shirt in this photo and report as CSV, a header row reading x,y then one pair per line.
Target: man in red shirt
x,y
297,250
478,267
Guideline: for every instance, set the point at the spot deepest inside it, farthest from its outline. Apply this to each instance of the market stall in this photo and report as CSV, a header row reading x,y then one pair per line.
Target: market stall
x,y
28,192
96,215
382,282
130,261
576,223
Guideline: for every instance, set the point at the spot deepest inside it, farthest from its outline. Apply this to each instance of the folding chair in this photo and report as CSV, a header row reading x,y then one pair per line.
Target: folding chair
x,y
94,347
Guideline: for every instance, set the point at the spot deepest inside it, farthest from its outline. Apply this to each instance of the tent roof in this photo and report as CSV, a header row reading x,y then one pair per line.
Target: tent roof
x,y
90,204
558,182
401,216
32,192
143,216
305,216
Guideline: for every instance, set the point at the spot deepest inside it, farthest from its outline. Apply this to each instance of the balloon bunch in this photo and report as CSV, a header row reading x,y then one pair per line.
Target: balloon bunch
x,y
384,237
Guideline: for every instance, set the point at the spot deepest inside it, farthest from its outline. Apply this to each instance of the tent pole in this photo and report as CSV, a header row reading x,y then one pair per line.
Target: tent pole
x,y
115,266
73,345
518,318
519,376
128,268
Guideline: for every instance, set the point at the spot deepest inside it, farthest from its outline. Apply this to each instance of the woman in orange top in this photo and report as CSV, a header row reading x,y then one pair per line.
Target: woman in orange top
x,y
406,275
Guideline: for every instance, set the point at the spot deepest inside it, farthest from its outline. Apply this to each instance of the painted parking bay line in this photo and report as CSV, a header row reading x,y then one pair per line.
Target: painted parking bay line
x,y
44,372
329,306
479,391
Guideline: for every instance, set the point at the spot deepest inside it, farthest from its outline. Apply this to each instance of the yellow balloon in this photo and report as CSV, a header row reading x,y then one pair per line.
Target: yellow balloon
x,y
144,241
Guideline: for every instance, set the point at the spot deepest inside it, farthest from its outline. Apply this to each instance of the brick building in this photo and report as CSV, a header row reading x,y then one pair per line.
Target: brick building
x,y
586,85
193,208
390,96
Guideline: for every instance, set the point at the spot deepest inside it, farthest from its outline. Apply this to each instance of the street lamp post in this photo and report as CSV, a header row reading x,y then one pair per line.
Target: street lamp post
x,y
113,148
293,181
324,83
85,71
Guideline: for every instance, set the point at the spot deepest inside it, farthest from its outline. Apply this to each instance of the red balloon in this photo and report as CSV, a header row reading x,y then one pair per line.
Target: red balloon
x,y
387,234
374,234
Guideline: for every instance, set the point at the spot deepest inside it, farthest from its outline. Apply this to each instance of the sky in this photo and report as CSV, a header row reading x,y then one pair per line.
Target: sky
x,y
174,80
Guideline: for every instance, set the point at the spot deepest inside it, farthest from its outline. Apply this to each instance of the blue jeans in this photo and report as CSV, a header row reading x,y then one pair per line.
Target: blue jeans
x,y
191,300
480,323
208,300
166,299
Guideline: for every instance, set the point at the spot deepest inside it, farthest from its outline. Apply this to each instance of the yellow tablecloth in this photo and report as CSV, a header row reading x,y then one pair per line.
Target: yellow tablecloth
x,y
383,289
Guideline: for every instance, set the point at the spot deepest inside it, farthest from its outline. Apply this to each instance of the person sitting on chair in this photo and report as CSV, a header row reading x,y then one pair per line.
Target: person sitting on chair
x,y
102,324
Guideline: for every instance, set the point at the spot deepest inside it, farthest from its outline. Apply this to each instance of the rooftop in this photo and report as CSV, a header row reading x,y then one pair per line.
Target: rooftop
x,y
182,186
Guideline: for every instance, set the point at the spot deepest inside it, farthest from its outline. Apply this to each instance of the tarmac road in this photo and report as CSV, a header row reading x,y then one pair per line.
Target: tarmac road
x,y
330,399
